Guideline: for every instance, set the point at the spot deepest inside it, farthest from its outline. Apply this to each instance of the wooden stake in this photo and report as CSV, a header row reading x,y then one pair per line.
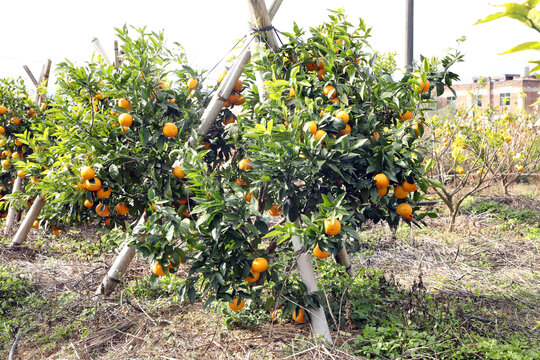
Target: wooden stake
x,y
116,54
260,19
12,212
30,75
28,222
120,265
100,50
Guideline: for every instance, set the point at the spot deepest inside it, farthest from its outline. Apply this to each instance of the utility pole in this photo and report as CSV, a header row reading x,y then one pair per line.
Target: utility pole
x,y
409,35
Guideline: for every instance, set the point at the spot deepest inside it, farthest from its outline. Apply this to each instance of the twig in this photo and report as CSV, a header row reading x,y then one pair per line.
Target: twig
x,y
14,346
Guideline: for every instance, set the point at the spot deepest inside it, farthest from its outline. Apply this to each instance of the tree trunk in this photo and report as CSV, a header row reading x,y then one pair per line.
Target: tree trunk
x,y
12,212
342,258
120,265
28,222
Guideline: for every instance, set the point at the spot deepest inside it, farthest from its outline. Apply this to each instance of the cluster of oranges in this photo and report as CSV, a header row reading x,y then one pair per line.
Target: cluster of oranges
x,y
401,191
258,266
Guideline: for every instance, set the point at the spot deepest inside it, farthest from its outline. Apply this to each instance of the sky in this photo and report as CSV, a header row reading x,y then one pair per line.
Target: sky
x,y
32,31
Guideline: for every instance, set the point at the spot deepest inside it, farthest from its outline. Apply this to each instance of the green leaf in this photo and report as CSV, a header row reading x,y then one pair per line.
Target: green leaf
x,y
531,45
113,172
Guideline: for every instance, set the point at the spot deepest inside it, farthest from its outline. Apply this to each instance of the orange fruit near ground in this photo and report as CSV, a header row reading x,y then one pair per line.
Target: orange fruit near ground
x,y
240,182
16,121
409,217
332,227
2,110
275,210
104,192
56,231
123,103
192,83
400,192
298,316
408,115
122,208
320,134
238,85
259,265
318,253
330,90
461,171
186,213
158,269
508,139
92,184
237,304
382,191
409,187
103,210
381,181
170,130
520,168
35,225
88,203
178,172
21,174
252,277
244,164
125,119
343,115
345,131
87,173
311,126
404,209
424,86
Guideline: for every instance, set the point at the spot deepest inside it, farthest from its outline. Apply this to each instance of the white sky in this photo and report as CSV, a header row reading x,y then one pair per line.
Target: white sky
x,y
32,31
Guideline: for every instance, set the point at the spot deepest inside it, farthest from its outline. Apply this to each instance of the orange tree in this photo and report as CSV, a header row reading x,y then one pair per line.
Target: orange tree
x,y
17,116
473,149
335,134
109,134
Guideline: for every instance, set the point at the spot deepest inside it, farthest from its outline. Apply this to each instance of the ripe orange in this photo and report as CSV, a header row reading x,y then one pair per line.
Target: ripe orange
x,y
320,134
240,100
87,173
520,168
229,120
238,85
320,62
408,115
508,139
424,87
240,182
376,135
178,172
2,110
321,73
16,120
56,231
21,174
192,83
249,196
404,209
343,115
88,203
34,180
92,184
409,187
244,164
18,142
125,119
236,304
170,130
319,253
259,265
35,225
311,66
332,227
330,91
381,181
382,191
123,103
311,126
400,192
2,129
275,210
103,210
122,208
108,222
461,171
252,277
345,131
172,100
292,93
206,145
298,315
158,269
104,192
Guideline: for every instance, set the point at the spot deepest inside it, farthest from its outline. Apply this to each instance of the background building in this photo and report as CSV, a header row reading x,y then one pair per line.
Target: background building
x,y
513,91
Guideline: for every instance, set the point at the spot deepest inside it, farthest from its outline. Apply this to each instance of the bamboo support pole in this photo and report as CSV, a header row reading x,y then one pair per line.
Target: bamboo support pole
x,y
100,50
120,264
28,221
12,212
116,55
30,75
